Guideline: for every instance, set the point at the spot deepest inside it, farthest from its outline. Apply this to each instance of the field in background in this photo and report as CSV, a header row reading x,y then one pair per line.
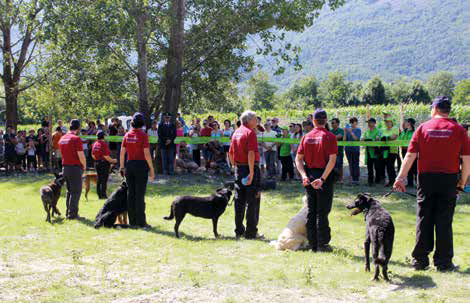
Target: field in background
x,y
73,262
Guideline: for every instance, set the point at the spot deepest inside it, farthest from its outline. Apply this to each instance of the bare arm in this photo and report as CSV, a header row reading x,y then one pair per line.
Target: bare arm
x,y
399,184
81,156
230,156
299,163
465,171
109,159
122,157
251,166
329,167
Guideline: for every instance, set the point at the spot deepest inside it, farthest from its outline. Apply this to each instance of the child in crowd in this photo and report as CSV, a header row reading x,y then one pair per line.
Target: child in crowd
x,y
31,156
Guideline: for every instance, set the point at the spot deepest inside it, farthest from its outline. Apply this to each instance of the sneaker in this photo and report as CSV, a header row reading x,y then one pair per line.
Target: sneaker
x,y
447,268
257,237
325,248
146,227
417,265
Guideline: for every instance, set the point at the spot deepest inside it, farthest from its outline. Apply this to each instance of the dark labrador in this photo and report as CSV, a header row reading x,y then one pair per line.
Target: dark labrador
x,y
50,194
380,232
114,206
205,207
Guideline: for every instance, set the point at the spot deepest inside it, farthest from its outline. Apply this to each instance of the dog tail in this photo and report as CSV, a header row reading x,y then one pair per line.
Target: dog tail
x,y
172,214
381,259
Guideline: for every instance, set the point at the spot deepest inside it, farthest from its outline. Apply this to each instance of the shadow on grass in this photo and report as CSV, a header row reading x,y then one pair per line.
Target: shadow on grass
x,y
339,251
418,281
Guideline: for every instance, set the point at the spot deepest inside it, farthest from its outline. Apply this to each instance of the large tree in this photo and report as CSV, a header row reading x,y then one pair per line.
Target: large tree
x,y
335,90
374,92
21,27
441,84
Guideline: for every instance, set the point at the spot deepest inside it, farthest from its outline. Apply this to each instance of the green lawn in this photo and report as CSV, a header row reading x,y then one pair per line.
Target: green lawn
x,y
73,262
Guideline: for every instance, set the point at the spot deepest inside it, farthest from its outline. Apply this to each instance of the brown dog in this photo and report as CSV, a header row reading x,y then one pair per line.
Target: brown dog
x,y
87,180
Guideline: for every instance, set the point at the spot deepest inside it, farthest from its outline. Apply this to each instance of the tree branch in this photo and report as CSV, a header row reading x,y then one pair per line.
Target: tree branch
x,y
122,59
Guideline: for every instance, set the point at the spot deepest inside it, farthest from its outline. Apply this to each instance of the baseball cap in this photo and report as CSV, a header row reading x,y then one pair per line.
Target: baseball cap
x,y
138,117
442,102
100,134
372,120
319,114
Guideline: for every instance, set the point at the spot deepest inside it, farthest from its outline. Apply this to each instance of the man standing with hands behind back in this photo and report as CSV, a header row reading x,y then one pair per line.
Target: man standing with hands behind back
x,y
438,144
316,159
73,164
244,155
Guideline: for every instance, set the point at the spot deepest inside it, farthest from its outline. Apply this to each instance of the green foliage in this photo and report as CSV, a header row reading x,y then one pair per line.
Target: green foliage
x,y
261,92
441,84
462,93
419,93
374,92
335,90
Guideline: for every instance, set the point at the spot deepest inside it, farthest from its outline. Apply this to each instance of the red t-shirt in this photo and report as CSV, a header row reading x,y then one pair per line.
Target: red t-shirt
x,y
206,132
69,145
317,146
244,140
135,141
99,150
439,144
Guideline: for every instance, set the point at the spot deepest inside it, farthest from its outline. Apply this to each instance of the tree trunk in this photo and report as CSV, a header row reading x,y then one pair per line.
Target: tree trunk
x,y
142,66
11,102
174,68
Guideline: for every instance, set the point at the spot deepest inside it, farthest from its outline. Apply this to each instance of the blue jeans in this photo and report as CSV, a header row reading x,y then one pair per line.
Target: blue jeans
x,y
168,159
353,160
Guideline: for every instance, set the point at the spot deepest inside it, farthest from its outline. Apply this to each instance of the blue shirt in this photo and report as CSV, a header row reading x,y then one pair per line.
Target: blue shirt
x,y
349,137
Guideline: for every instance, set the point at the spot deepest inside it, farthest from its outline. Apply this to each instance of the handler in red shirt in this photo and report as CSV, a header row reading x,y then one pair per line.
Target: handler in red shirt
x,y
316,158
73,164
244,156
101,154
139,163
439,144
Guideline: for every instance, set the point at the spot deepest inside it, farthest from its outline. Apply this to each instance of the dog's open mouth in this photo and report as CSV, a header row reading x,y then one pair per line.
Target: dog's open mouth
x,y
356,211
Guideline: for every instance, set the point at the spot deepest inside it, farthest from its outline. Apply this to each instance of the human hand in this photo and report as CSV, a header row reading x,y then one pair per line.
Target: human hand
x,y
152,175
305,181
399,185
317,184
122,171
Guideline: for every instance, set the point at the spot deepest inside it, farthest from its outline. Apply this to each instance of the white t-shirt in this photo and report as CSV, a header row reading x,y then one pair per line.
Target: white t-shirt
x,y
270,134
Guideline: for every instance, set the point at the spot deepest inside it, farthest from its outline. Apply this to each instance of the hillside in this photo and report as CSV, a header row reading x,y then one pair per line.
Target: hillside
x,y
390,38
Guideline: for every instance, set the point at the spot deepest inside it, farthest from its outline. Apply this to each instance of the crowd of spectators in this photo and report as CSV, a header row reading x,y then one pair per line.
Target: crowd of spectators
x,y
28,151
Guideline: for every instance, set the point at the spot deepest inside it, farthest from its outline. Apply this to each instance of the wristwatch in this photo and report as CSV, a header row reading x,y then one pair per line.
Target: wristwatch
x,y
323,180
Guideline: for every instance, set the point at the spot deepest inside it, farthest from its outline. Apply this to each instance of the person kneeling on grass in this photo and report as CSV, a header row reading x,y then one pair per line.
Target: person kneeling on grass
x,y
185,160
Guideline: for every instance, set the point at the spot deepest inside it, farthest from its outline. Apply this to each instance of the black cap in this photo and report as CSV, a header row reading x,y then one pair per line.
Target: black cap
x,y
371,120
411,121
167,114
319,114
442,102
74,124
138,117
100,134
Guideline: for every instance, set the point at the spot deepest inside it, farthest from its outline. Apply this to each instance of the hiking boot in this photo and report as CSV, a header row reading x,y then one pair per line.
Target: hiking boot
x,y
447,267
419,265
257,237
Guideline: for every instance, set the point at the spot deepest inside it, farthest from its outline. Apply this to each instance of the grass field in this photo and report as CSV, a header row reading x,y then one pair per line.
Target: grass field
x,y
70,261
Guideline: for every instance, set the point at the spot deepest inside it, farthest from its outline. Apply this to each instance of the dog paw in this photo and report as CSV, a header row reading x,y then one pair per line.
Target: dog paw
x,y
367,269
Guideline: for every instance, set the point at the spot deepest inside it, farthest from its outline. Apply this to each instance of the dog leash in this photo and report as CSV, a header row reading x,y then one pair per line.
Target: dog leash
x,y
392,191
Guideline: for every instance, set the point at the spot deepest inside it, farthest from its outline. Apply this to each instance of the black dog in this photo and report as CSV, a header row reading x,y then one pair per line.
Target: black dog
x,y
50,194
379,231
114,206
205,207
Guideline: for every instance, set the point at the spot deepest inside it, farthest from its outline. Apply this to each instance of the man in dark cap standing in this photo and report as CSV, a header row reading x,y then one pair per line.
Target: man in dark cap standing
x,y
101,154
316,159
73,163
166,141
439,144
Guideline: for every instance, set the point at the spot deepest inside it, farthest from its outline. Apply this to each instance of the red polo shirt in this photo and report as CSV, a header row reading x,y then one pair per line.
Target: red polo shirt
x,y
99,150
439,144
69,145
135,141
244,140
317,146
206,132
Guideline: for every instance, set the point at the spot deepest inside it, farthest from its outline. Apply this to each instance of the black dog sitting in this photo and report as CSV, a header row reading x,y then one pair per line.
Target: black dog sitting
x,y
205,207
114,206
379,231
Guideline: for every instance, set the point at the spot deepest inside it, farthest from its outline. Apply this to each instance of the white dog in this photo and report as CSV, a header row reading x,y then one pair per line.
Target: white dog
x,y
294,236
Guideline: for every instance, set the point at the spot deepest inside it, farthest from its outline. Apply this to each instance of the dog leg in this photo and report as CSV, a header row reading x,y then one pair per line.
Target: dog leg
x,y
177,225
385,272
49,214
214,226
367,251
376,273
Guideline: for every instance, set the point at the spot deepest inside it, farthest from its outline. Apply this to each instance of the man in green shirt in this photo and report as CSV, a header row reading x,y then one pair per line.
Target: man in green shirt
x,y
339,133
286,158
390,154
372,155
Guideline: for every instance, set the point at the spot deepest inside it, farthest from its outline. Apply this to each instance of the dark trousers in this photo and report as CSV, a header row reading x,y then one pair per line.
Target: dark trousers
x,y
390,167
413,172
287,167
372,170
435,211
270,157
247,198
319,207
353,160
73,179
32,162
136,178
197,156
102,170
168,159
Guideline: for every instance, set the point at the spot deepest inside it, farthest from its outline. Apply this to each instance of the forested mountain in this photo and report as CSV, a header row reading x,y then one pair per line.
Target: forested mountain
x,y
389,38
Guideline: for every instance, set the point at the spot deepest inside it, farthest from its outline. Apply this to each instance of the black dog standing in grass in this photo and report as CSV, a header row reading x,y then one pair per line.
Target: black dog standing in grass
x,y
205,207
380,231
50,194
